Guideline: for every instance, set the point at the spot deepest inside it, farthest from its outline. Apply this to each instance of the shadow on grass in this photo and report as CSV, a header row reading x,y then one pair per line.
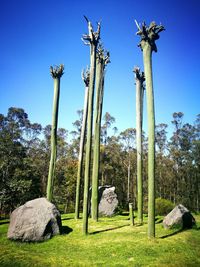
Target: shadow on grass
x,y
124,214
66,219
109,229
66,230
179,231
174,233
158,220
1,223
136,224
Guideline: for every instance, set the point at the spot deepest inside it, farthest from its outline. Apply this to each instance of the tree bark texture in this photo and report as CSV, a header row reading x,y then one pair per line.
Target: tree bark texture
x,y
91,39
56,74
139,78
147,44
131,214
147,58
81,153
102,61
97,129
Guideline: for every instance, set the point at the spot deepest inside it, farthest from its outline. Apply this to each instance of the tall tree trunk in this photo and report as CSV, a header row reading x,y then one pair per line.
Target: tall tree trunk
x,y
102,61
131,214
82,142
147,58
197,194
56,74
97,129
147,44
139,78
93,39
89,141
102,177
128,182
174,196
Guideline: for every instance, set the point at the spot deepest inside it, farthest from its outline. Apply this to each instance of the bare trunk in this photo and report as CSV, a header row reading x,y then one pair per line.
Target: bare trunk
x,y
56,74
81,152
128,191
89,139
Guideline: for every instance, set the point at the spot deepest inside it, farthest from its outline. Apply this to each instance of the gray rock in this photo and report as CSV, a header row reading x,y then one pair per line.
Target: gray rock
x,y
179,217
108,201
36,220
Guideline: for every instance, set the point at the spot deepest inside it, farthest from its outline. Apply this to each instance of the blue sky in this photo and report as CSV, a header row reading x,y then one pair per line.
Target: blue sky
x,y
38,33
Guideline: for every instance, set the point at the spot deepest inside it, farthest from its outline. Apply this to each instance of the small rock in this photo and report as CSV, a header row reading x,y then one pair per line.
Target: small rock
x,y
36,220
179,217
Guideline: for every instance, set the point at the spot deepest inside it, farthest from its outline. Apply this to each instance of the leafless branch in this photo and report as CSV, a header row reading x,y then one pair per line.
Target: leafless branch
x,y
149,34
138,74
103,56
85,74
92,37
57,71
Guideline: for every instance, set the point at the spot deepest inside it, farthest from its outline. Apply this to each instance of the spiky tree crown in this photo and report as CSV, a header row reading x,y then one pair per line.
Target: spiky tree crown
x,y
138,74
85,74
149,34
57,71
103,56
92,37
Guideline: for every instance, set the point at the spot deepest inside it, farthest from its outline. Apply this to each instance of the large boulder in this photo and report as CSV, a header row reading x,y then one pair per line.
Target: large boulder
x,y
108,201
36,220
179,217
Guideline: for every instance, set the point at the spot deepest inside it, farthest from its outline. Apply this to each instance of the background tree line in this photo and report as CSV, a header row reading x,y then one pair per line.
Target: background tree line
x,y
25,155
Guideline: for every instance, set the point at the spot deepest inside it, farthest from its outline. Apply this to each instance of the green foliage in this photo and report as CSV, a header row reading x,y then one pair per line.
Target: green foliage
x,y
25,154
19,179
163,206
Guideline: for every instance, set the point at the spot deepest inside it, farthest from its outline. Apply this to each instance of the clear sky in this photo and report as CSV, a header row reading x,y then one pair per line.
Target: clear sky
x,y
38,33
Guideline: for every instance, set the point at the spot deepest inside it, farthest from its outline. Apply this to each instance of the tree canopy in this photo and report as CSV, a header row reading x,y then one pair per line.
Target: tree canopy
x,y
25,154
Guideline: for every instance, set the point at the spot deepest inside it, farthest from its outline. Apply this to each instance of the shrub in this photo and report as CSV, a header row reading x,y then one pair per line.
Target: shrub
x,y
163,206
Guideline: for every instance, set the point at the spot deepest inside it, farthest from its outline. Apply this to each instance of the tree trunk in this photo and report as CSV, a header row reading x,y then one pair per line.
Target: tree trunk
x,y
89,137
139,113
128,182
197,194
81,152
53,139
97,132
131,214
147,44
174,196
147,57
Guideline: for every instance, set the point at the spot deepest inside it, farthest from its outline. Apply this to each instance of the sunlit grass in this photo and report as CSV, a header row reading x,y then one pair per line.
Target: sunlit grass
x,y
110,242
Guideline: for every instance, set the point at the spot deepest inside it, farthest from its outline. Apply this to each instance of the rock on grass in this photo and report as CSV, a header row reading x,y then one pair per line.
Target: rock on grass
x,y
179,217
36,220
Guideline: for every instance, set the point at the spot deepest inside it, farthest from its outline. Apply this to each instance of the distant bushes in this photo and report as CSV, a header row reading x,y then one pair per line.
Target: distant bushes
x,y
163,206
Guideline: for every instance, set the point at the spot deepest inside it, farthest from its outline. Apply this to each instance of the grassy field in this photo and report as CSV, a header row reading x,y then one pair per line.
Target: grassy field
x,y
111,242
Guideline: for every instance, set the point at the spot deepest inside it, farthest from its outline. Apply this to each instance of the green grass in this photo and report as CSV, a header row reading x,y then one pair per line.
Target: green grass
x,y
111,242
